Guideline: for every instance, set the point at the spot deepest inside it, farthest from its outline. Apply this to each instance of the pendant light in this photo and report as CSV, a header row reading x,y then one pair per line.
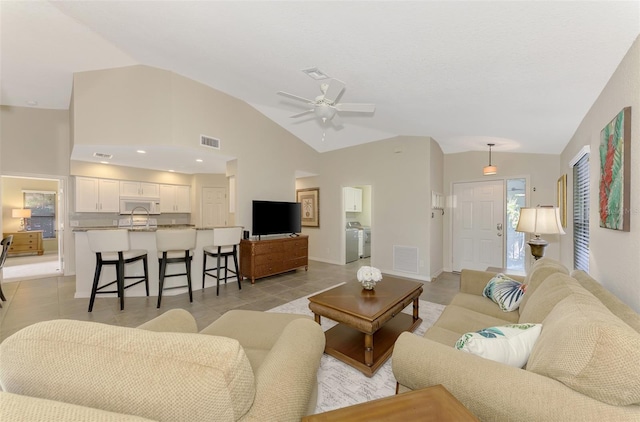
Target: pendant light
x,y
490,169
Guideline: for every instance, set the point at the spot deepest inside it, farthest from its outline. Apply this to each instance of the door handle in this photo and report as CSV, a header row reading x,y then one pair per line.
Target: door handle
x,y
499,233
499,226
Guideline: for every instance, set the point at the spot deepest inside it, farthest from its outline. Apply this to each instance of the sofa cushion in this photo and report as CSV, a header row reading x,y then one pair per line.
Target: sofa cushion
x,y
24,408
615,305
442,335
539,272
584,346
160,376
483,305
551,291
505,291
510,344
462,320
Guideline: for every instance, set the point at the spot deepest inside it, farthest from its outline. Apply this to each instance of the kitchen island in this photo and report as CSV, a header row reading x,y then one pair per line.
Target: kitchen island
x,y
145,239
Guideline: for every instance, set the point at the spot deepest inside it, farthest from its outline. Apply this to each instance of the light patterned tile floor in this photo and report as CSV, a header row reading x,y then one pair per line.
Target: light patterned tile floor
x,y
31,301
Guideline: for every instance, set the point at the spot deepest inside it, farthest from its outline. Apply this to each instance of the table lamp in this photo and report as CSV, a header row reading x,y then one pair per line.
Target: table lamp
x,y
21,214
539,220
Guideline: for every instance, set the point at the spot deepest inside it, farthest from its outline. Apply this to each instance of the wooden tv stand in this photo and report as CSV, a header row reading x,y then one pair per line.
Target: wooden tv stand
x,y
262,258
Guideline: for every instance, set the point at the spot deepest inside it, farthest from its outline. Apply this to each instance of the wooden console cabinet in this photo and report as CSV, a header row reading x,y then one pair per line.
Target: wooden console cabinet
x,y
262,258
26,242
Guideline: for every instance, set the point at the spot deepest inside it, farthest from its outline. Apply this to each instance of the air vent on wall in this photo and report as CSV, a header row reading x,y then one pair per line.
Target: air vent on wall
x,y
209,142
102,155
405,259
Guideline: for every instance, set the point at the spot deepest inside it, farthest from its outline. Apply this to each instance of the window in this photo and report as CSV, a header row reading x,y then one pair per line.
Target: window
x,y
581,212
43,212
516,199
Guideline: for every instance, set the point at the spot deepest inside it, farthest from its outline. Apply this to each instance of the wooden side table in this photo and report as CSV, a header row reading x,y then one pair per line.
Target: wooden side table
x,y
425,405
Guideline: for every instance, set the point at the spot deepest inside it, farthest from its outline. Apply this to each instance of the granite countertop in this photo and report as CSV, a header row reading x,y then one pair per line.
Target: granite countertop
x,y
142,228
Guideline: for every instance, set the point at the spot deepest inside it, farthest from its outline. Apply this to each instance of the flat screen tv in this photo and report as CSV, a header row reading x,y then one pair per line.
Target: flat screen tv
x,y
272,217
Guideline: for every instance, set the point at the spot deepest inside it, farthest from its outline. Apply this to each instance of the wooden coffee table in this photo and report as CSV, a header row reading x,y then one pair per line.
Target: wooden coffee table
x,y
369,321
435,404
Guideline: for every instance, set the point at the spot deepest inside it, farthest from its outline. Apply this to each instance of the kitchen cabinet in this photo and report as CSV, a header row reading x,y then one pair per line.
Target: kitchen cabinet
x,y
352,199
139,189
97,195
175,198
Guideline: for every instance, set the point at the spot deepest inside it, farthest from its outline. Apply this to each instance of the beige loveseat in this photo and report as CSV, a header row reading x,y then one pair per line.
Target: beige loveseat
x,y
584,366
246,366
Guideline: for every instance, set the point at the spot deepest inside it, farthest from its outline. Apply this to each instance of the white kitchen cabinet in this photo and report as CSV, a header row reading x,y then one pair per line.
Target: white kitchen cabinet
x,y
139,189
175,198
97,195
352,199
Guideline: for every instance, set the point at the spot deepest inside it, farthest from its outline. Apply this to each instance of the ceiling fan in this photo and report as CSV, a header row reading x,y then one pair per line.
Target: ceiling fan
x,y
325,106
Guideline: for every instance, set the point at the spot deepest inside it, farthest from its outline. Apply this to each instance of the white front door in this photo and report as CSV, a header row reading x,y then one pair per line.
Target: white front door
x,y
214,207
478,221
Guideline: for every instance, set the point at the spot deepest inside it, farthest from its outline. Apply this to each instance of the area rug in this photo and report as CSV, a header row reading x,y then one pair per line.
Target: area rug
x,y
339,384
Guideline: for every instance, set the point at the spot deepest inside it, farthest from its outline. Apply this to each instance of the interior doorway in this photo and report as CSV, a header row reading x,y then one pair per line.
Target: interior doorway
x,y
20,192
358,222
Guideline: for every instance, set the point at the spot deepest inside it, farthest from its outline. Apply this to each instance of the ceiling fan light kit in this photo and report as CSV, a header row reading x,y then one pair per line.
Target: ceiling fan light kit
x,y
490,170
325,106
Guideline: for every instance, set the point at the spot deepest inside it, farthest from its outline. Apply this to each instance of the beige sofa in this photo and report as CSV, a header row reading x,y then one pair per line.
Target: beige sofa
x,y
583,366
246,366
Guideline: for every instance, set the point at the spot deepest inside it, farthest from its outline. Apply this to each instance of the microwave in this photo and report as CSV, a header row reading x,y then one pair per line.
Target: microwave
x,y
139,206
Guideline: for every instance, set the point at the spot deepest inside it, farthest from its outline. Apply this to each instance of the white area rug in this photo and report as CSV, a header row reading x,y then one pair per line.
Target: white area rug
x,y
340,385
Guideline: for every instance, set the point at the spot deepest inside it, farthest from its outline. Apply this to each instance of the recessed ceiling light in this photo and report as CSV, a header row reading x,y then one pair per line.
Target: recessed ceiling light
x,y
140,151
315,73
199,160
32,103
104,162
171,171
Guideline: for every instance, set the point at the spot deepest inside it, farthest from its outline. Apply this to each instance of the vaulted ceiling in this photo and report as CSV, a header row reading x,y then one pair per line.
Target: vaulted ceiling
x,y
520,74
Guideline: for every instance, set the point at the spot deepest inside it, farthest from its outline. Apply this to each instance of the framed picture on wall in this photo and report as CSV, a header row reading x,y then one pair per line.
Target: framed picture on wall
x,y
615,172
310,204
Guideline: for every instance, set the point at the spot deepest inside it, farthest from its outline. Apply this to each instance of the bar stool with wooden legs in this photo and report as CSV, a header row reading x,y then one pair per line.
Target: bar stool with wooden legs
x,y
112,248
225,245
175,246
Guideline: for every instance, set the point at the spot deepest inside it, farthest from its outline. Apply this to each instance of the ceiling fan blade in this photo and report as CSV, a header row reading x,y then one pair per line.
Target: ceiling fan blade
x,y
333,90
356,107
336,122
302,113
295,97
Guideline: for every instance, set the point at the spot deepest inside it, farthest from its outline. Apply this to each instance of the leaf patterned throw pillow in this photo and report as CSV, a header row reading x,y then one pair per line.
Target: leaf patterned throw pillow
x,y
509,344
505,291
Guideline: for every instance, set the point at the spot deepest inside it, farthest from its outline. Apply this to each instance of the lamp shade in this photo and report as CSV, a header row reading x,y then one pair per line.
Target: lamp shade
x,y
489,170
540,220
21,213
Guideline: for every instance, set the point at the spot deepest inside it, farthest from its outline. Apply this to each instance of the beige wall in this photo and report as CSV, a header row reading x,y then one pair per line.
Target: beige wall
x,y
542,171
12,197
397,170
613,254
436,221
34,141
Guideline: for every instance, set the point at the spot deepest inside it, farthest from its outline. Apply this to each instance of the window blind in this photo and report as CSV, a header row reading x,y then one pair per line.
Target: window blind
x,y
581,214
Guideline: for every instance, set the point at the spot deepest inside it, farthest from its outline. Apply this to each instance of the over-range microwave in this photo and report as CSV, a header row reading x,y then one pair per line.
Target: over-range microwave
x,y
139,206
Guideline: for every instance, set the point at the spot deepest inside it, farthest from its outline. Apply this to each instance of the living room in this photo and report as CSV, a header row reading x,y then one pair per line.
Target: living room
x,y
268,161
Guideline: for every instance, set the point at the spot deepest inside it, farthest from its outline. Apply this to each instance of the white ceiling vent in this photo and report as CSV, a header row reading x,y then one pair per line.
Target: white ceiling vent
x,y
209,142
102,155
405,259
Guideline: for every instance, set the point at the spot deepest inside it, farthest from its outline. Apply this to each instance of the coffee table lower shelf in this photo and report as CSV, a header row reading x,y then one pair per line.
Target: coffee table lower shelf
x,y
348,344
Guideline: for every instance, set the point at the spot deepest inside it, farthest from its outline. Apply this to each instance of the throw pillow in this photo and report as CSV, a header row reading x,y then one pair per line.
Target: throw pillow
x,y
509,344
505,291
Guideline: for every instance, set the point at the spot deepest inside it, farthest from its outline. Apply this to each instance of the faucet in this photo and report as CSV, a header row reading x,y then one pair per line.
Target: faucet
x,y
133,210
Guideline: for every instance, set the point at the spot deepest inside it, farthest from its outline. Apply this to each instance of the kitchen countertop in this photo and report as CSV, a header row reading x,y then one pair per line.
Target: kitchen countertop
x,y
142,228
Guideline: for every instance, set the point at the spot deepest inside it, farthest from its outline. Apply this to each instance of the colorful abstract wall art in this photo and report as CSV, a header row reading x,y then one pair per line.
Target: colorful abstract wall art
x,y
615,172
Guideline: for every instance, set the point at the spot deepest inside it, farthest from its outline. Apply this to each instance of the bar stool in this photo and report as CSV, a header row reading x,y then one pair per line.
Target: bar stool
x,y
225,244
175,246
6,244
112,248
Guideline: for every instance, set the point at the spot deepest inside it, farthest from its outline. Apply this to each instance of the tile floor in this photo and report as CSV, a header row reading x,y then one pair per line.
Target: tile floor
x,y
31,301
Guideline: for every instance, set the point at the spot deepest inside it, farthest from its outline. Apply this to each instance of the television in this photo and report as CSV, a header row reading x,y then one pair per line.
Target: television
x,y
273,217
